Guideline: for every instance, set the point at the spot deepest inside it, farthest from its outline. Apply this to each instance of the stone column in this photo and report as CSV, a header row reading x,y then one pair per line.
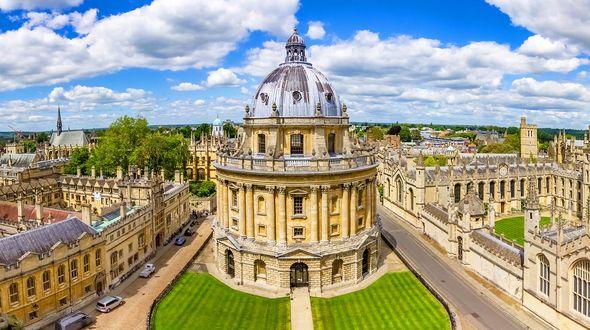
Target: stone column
x,y
242,210
369,204
314,213
219,196
353,207
226,204
325,215
249,211
282,234
270,214
344,210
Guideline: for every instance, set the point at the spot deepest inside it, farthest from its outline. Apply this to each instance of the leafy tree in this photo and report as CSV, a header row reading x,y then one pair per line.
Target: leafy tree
x,y
497,148
42,137
374,133
202,188
405,134
440,160
229,130
416,135
30,146
162,151
78,157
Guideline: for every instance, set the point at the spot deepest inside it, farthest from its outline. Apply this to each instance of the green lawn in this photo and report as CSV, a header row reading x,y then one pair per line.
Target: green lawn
x,y
513,228
199,301
395,301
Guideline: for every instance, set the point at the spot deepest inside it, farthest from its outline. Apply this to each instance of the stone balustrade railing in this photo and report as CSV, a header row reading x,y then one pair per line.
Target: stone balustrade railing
x,y
295,164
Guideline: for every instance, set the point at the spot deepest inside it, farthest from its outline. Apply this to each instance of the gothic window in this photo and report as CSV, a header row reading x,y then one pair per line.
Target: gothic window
x,y
97,258
502,189
480,190
539,181
13,293
492,189
61,274
411,192
457,192
46,281
543,275
521,187
581,292
331,143
512,187
31,290
297,144
297,205
261,143
400,192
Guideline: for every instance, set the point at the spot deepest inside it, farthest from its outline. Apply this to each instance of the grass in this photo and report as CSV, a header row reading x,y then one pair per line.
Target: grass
x,y
199,301
513,228
395,301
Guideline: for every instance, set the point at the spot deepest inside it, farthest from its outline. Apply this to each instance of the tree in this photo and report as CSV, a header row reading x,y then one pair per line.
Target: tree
x,y
415,133
374,133
158,151
78,157
405,134
42,137
30,146
229,130
202,189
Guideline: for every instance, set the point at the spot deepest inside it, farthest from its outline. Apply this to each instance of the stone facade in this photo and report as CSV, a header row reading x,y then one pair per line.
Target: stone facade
x,y
528,140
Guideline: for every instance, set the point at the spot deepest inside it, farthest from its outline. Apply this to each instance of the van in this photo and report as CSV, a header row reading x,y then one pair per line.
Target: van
x,y
108,303
74,321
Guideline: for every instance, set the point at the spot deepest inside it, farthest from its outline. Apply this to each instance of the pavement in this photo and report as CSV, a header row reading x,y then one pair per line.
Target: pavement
x,y
140,293
470,300
301,318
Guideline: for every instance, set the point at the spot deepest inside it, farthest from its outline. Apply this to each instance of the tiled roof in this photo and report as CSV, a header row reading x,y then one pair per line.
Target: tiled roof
x,y
9,212
497,247
437,212
41,240
68,138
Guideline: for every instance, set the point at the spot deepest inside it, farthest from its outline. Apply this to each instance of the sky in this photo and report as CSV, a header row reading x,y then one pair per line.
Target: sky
x,y
190,61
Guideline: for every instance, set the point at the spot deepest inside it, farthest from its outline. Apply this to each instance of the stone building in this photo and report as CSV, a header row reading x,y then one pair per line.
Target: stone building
x,y
21,168
296,197
204,153
528,139
63,143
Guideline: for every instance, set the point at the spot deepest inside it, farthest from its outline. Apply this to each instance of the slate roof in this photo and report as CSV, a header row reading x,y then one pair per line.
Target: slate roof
x,y
497,247
68,138
42,240
17,160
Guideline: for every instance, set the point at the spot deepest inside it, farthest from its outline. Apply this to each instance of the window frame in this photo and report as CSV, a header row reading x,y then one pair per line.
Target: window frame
x,y
296,144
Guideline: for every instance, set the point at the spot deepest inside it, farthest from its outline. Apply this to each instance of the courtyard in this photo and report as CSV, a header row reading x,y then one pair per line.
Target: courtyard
x,y
513,228
200,301
395,301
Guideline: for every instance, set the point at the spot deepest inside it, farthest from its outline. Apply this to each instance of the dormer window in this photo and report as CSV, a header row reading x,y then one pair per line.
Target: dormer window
x,y
264,98
296,96
329,97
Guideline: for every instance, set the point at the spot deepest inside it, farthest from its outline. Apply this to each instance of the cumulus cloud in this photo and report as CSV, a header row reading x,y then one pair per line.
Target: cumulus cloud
x,y
86,97
260,61
82,22
315,30
537,45
188,34
554,89
9,5
186,86
223,77
199,103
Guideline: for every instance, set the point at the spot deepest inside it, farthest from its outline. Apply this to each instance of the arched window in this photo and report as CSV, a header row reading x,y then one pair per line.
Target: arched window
x,y
457,192
13,293
539,183
261,143
581,287
74,269
400,191
31,286
512,187
86,263
97,257
46,281
61,274
411,192
492,189
502,189
337,271
521,187
297,144
544,275
480,189
261,205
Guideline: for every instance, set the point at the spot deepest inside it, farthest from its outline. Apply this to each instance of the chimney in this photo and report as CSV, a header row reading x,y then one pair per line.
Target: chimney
x,y
163,174
20,208
177,178
38,209
86,214
119,173
78,171
181,177
146,173
93,172
122,210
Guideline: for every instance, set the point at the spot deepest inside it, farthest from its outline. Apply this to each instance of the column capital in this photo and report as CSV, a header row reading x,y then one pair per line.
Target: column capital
x,y
248,186
347,185
271,189
281,189
325,188
314,188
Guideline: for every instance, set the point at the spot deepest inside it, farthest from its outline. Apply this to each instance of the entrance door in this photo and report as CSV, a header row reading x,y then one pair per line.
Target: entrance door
x,y
365,263
229,257
158,239
299,275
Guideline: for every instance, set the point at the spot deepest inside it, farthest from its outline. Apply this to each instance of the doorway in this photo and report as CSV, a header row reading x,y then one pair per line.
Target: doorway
x,y
299,275
229,258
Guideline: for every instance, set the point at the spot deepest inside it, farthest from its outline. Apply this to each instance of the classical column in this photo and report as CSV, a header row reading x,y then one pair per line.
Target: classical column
x,y
249,211
282,234
219,196
344,210
369,204
270,214
226,204
353,207
242,210
314,213
325,216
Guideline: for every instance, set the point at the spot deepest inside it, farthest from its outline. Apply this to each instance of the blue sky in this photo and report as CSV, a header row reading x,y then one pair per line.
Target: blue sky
x,y
188,61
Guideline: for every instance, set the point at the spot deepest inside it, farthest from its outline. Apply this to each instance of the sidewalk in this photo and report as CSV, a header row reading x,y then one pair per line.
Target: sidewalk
x,y
301,318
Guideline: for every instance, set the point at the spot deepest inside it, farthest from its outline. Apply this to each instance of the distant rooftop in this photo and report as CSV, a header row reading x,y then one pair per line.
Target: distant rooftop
x,y
112,217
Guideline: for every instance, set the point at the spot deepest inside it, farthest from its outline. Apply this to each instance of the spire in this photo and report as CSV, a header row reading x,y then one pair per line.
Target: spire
x,y
295,48
59,125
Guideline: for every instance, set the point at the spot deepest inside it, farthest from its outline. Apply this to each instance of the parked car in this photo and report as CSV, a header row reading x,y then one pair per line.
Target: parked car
x,y
108,303
180,240
147,271
188,232
74,321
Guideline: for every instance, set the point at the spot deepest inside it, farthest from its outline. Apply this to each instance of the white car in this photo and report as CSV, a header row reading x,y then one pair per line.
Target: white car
x,y
147,271
108,303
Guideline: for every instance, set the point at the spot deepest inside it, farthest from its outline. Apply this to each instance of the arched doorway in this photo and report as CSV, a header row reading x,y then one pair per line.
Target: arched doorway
x,y
158,239
229,259
365,262
99,283
460,248
299,275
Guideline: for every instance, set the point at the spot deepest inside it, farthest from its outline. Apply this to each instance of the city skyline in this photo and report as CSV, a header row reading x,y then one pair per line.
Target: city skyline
x,y
459,63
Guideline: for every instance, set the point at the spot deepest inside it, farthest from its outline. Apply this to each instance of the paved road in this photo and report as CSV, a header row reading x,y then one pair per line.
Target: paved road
x,y
472,306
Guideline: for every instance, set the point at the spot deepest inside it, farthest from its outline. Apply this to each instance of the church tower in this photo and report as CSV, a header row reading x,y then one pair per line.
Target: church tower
x,y
528,139
532,215
59,124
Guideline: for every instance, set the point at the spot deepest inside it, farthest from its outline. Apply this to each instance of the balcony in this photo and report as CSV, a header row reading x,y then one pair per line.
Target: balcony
x,y
297,164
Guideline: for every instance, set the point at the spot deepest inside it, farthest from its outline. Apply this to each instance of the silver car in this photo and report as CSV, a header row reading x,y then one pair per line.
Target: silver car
x,y
108,303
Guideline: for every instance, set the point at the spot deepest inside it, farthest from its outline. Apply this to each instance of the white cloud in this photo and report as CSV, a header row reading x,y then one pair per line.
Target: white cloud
x,y
537,45
189,34
244,90
199,103
82,22
86,97
315,30
556,19
8,5
186,86
554,89
261,61
223,77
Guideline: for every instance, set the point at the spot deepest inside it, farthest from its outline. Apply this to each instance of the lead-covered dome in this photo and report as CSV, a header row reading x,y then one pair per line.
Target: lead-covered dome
x,y
295,88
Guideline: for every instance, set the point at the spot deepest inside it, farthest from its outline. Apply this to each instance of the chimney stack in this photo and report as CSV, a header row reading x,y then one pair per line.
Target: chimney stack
x,y
119,173
123,210
177,178
20,208
78,171
86,214
93,172
38,209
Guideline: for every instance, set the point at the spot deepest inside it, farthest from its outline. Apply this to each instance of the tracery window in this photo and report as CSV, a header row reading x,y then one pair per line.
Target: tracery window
x,y
581,291
544,275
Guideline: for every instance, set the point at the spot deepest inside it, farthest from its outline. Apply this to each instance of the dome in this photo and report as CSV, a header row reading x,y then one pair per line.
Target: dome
x,y
217,122
295,87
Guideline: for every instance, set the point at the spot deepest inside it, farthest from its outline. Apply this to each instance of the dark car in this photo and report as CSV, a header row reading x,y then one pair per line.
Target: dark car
x,y
188,232
74,321
180,240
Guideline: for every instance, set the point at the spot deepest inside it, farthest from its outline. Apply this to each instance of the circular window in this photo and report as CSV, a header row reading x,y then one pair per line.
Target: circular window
x,y
296,96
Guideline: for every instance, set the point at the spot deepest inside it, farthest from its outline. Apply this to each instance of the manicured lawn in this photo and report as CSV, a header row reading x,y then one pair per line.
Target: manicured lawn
x,y
395,301
513,228
199,301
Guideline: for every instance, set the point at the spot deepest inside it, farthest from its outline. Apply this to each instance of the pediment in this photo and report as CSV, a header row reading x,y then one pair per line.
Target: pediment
x,y
298,253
